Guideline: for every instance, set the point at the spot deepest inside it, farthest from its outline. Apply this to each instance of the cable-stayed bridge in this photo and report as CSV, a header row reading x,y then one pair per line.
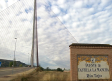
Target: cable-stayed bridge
x,y
20,20
30,27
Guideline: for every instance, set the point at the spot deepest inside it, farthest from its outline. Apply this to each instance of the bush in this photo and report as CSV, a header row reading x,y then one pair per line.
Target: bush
x,y
10,64
20,65
59,69
39,69
23,79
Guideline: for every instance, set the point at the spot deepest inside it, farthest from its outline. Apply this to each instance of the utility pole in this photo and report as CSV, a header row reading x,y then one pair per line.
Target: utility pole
x,y
28,59
14,53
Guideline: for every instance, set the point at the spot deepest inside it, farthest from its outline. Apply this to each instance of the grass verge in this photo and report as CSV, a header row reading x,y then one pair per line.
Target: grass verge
x,y
38,75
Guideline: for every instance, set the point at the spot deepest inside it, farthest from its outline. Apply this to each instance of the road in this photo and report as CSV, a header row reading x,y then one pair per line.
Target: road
x,y
9,71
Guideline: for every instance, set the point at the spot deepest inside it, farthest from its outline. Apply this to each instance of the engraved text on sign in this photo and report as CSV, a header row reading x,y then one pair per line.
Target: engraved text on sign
x,y
93,67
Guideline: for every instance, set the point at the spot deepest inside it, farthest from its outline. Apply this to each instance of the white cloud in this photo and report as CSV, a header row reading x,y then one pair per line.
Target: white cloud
x,y
89,21
78,4
4,4
55,9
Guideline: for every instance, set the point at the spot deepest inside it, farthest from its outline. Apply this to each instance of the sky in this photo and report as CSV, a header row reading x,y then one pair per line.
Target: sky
x,y
60,23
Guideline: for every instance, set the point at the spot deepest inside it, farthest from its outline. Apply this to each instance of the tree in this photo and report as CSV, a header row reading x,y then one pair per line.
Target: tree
x,y
14,63
10,64
42,68
59,69
48,69
20,65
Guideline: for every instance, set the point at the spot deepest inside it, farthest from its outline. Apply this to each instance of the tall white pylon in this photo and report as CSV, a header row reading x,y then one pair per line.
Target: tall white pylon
x,y
34,35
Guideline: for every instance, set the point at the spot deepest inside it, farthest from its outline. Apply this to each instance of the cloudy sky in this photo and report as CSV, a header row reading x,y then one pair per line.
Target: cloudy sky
x,y
60,23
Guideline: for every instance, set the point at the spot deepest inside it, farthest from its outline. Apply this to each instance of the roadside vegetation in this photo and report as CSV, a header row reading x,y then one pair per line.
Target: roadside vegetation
x,y
41,74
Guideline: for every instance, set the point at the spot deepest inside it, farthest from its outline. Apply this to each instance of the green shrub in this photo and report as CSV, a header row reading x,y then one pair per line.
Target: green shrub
x,y
59,69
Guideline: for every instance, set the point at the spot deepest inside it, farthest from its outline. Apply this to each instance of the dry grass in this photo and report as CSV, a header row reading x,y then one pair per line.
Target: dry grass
x,y
39,75
52,76
23,77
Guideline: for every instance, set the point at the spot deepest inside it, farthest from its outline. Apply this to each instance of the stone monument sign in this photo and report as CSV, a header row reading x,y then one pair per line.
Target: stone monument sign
x,y
90,61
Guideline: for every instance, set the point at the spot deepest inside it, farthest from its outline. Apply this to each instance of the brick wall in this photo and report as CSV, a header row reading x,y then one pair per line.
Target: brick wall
x,y
88,49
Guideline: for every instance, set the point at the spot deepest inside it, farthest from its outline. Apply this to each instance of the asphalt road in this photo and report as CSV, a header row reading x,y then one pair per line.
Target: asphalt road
x,y
10,71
